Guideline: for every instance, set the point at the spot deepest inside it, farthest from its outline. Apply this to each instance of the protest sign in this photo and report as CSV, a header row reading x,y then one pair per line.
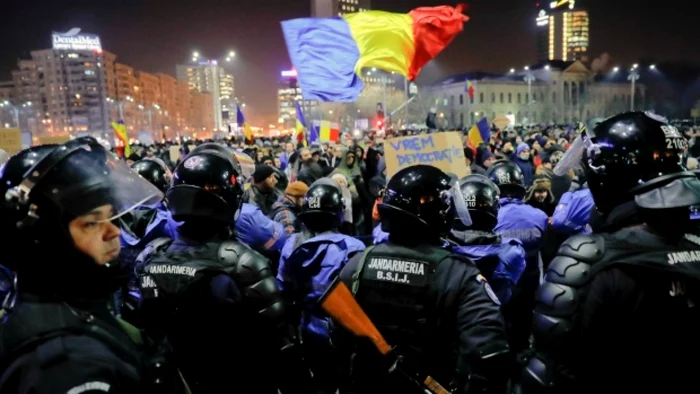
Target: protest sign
x,y
10,140
442,150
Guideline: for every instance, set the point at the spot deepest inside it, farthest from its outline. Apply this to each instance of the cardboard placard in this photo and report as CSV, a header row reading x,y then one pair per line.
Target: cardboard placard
x,y
442,150
174,151
10,140
54,139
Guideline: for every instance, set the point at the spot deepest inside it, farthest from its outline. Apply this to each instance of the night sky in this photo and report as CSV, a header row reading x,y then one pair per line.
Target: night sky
x,y
154,35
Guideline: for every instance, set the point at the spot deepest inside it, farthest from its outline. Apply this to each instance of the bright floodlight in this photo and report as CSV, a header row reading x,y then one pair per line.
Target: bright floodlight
x,y
232,54
616,69
527,68
652,67
546,67
195,54
512,70
635,65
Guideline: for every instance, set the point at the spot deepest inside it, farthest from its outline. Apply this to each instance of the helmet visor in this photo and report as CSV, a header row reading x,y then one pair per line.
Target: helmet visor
x,y
247,164
459,203
572,158
91,178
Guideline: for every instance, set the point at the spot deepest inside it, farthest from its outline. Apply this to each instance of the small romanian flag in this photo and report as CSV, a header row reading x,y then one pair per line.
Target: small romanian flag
x,y
299,129
247,131
325,131
121,134
479,133
469,88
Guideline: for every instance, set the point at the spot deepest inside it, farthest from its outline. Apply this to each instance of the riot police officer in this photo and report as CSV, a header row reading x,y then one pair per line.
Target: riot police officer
x,y
527,224
206,292
501,260
423,298
58,209
310,261
617,310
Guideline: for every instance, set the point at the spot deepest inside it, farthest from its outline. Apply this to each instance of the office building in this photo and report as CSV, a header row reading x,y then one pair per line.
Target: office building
x,y
76,88
563,31
288,94
208,77
332,8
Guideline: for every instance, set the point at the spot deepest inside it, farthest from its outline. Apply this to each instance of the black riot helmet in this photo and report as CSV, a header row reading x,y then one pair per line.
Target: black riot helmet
x,y
323,207
634,156
421,202
44,189
508,177
206,185
481,197
155,171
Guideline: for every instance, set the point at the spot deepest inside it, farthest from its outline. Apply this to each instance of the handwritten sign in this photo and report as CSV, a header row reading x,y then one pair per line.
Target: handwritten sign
x,y
442,150
10,140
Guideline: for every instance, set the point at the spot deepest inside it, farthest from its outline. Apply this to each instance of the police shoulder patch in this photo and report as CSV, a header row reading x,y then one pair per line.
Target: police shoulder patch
x,y
487,287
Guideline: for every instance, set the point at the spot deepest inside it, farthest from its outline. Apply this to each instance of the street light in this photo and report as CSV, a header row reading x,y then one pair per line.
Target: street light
x,y
512,70
633,77
529,78
14,109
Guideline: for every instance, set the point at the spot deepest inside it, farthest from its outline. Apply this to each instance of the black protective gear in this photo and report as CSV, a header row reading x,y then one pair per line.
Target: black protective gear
x,y
637,155
44,189
508,177
415,202
323,206
481,196
411,295
206,185
155,171
213,295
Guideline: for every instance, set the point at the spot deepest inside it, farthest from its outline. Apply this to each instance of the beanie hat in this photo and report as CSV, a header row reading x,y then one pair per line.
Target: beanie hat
x,y
262,172
297,189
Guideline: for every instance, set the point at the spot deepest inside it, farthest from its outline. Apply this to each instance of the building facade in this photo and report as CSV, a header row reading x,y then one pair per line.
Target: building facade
x,y
332,8
209,77
76,88
563,31
561,93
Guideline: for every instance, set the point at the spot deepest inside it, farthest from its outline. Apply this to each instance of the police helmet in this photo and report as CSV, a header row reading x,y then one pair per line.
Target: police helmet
x,y
323,207
45,187
206,185
481,196
155,171
421,199
508,177
637,156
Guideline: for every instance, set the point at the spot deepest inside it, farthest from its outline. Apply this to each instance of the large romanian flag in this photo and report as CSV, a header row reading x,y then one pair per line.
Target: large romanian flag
x,y
329,53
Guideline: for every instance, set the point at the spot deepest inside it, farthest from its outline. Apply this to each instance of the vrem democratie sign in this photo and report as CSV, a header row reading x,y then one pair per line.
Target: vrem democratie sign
x,y
73,40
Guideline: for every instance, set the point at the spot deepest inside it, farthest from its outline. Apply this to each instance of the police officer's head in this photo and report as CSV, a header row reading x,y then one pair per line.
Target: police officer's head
x,y
323,206
58,206
420,204
481,197
637,156
155,171
508,177
206,189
